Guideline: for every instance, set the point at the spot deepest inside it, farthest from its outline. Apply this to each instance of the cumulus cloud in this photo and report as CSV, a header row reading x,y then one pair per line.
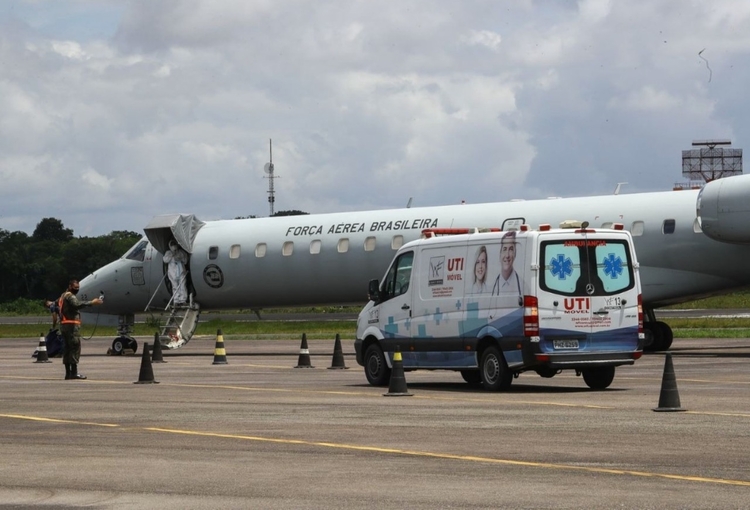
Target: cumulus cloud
x,y
145,108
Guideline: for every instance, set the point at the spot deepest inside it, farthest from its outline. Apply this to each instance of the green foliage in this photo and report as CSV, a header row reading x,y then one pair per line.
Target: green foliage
x,y
40,267
23,306
52,229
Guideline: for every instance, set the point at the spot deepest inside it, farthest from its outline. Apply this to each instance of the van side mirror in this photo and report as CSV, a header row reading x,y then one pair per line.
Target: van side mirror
x,y
373,291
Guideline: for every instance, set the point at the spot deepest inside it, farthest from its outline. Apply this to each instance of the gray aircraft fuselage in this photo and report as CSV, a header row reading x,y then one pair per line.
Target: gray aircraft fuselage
x,y
689,244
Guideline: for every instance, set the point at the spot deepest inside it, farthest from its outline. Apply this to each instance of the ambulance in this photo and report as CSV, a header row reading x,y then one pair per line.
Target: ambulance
x,y
492,305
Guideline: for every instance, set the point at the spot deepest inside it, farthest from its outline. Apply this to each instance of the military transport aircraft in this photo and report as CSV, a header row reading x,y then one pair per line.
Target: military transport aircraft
x,y
690,244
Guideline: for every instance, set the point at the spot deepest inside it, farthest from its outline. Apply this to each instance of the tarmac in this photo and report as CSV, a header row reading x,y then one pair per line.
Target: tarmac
x,y
258,433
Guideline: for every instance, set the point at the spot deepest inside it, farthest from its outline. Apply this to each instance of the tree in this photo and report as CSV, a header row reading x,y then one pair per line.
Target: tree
x,y
52,229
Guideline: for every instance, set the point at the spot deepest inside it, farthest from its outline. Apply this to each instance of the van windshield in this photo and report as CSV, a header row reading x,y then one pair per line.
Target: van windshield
x,y
569,266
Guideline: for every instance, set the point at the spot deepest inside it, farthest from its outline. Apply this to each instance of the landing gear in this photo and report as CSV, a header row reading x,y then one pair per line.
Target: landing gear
x,y
659,335
121,343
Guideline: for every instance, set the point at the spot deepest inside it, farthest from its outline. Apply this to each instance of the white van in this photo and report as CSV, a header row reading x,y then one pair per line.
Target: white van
x,y
494,304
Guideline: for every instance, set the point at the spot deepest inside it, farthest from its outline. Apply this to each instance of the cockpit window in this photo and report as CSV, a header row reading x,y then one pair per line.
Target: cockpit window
x,y
138,252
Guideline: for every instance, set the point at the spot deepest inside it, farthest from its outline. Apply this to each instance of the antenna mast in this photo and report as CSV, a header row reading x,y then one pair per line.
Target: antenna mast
x,y
268,168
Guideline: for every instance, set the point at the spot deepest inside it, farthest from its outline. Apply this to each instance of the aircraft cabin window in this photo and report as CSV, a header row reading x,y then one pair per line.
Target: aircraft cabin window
x,y
397,242
697,226
668,227
637,229
315,246
213,253
139,252
234,251
370,244
343,245
260,250
287,249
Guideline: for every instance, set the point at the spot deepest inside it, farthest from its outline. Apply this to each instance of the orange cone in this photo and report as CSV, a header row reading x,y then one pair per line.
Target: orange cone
x,y
146,376
338,355
220,354
304,354
397,385
41,351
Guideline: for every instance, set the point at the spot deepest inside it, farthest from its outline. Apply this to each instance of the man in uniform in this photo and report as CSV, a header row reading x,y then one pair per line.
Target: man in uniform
x,y
70,325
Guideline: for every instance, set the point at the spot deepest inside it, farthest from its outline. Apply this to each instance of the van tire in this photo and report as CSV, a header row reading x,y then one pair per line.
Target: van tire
x,y
376,369
494,370
598,378
473,377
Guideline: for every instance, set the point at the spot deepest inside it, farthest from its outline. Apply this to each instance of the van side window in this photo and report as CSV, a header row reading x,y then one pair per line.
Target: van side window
x,y
399,275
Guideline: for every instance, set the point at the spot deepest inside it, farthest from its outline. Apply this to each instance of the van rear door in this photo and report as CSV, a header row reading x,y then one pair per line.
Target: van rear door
x,y
586,290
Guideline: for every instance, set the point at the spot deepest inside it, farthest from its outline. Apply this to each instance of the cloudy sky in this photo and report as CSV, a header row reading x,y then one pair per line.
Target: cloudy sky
x,y
112,112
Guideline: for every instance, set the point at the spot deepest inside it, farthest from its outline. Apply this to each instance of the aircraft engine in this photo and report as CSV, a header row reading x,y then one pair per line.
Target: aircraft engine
x,y
723,208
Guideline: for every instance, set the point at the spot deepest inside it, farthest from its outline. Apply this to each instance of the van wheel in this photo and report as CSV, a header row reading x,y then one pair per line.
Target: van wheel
x,y
376,369
598,378
472,377
494,371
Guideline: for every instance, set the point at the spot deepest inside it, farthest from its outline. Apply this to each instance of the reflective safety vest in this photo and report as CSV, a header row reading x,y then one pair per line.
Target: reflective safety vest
x,y
63,319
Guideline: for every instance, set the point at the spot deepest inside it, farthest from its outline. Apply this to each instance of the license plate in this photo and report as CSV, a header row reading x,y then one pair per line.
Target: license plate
x,y
565,344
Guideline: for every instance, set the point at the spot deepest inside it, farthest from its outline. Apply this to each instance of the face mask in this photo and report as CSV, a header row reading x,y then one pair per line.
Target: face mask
x,y
74,291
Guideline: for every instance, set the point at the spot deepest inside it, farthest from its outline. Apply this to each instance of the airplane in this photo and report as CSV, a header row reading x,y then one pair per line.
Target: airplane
x,y
690,244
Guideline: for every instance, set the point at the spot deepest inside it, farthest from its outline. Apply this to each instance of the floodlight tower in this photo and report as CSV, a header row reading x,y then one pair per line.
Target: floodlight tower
x,y
268,168
710,163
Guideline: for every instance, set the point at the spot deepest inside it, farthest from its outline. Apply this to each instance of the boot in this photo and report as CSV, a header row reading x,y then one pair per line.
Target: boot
x,y
74,372
67,372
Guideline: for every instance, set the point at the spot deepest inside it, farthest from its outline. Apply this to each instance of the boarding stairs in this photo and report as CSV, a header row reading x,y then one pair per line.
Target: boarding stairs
x,y
180,325
181,321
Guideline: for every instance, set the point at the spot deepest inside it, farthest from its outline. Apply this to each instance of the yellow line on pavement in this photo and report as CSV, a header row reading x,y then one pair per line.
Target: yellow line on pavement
x,y
410,453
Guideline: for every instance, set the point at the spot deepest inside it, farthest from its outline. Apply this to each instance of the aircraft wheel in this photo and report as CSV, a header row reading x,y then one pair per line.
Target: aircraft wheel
x,y
472,377
666,333
654,337
598,378
376,369
494,370
132,344
118,345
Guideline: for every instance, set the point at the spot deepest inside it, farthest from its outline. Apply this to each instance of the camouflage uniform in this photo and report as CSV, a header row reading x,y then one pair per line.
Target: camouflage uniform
x,y
70,328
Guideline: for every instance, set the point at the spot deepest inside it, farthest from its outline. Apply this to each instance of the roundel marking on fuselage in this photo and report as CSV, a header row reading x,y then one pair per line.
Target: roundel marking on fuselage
x,y
213,276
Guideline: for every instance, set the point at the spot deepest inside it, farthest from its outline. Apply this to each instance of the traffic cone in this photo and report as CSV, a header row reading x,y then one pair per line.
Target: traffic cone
x,y
146,376
41,351
304,354
156,354
220,355
397,385
338,355
669,399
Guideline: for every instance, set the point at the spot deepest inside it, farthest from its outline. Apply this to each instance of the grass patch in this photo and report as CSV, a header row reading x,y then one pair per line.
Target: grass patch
x,y
257,329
